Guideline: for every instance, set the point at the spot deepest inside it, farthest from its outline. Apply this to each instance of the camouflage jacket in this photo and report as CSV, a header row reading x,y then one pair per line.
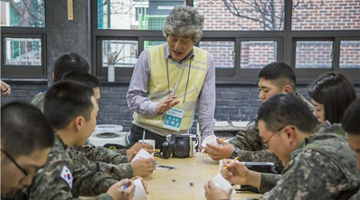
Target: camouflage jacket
x,y
64,177
356,196
323,167
116,171
103,154
249,146
38,100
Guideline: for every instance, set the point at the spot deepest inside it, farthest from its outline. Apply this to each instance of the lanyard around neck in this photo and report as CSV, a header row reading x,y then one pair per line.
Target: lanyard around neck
x,y
168,79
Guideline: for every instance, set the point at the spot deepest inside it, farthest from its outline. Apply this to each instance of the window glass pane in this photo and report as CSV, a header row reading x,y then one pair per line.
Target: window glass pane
x,y
121,53
326,15
314,54
350,54
23,51
134,14
223,52
150,43
241,15
257,54
24,13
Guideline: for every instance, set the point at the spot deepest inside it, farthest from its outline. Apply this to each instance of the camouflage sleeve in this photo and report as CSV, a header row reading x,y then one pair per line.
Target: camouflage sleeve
x,y
307,176
103,154
248,139
268,181
121,151
117,172
356,196
88,179
38,101
49,184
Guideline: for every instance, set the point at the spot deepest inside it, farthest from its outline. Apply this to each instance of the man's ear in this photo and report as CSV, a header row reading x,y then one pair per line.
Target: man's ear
x,y
78,122
288,88
290,135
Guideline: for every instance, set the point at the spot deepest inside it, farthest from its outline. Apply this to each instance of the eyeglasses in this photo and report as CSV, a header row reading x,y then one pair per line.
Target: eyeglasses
x,y
277,132
27,175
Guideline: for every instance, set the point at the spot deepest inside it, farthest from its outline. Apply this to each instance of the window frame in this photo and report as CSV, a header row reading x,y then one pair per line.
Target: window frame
x,y
286,48
27,72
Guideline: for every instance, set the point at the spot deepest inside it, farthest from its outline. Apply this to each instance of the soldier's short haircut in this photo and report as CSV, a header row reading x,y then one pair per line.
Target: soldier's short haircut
x,y
24,129
82,77
280,73
68,62
287,109
335,92
351,120
66,100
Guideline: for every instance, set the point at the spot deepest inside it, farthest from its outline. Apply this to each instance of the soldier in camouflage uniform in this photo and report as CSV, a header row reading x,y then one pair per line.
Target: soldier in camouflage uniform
x,y
247,145
19,160
351,126
65,176
115,163
317,166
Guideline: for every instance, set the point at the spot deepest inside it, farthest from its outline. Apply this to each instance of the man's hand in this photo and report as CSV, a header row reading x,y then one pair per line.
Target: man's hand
x,y
117,193
217,153
237,173
143,167
214,193
166,104
137,146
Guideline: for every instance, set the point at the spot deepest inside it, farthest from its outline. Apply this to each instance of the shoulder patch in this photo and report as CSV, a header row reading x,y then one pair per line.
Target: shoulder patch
x,y
67,176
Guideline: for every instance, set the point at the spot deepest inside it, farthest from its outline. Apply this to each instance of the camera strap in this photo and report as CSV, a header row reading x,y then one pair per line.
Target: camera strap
x,y
171,146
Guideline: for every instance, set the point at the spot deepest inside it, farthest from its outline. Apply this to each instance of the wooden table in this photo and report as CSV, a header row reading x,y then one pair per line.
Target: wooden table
x,y
197,170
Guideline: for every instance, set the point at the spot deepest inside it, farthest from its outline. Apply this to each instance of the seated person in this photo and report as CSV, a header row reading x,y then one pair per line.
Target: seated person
x,y
26,140
351,126
318,165
274,78
65,63
72,110
119,166
331,94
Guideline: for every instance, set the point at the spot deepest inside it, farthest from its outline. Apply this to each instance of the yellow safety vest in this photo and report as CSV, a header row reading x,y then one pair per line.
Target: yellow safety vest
x,y
178,76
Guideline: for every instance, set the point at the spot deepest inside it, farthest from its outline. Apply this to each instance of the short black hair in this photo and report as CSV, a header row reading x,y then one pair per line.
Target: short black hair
x,y
66,100
82,77
68,62
279,72
335,91
24,129
350,122
285,109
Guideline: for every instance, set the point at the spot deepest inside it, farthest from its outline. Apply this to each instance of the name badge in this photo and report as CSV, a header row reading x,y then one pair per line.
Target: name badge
x,y
173,119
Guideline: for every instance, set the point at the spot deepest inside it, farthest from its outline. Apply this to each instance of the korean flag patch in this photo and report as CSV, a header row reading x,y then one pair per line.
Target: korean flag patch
x,y
67,176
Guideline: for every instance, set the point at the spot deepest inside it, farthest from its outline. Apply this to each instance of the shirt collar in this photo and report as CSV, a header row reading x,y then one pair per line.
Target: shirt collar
x,y
168,55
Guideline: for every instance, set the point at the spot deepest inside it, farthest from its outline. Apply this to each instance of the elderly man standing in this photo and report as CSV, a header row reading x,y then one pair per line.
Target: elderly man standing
x,y
169,79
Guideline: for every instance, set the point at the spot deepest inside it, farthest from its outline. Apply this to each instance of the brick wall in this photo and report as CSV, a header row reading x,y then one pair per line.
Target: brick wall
x,y
233,102
307,15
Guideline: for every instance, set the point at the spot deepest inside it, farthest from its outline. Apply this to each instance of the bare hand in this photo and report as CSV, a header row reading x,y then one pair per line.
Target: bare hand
x,y
143,167
137,146
5,89
217,153
166,104
116,190
214,193
236,172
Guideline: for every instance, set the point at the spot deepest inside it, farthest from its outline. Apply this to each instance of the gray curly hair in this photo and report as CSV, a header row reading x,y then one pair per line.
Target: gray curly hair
x,y
184,21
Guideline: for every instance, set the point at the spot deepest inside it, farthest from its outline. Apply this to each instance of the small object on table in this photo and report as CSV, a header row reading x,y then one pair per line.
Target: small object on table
x,y
174,179
191,184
